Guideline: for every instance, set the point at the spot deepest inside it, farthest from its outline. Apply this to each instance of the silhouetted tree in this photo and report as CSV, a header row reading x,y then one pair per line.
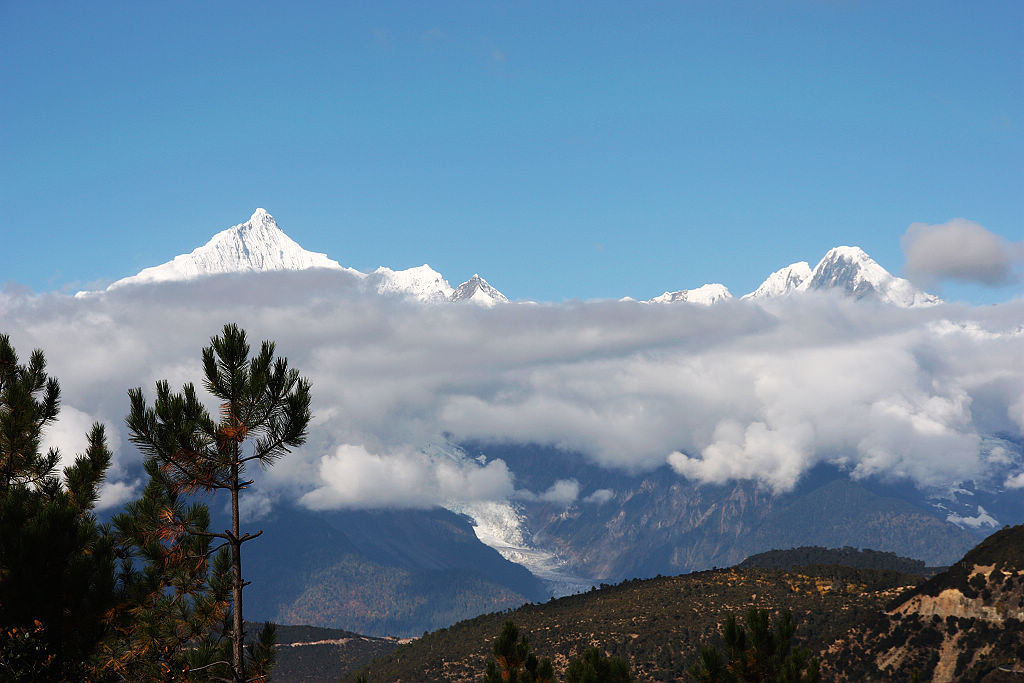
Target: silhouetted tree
x,y
173,618
56,561
757,653
594,666
263,403
513,662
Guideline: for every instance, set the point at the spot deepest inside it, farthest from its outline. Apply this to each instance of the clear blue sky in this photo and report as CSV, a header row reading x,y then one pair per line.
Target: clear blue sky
x,y
560,149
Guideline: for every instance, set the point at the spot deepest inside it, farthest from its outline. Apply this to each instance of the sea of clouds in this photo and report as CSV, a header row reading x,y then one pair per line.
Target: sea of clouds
x,y
738,390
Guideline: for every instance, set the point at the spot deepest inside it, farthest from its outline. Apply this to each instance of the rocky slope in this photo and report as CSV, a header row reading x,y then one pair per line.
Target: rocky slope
x,y
624,526
658,624
380,573
964,624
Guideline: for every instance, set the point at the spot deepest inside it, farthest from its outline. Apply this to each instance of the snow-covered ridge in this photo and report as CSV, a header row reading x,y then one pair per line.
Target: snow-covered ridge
x,y
705,294
848,270
422,283
783,281
260,245
853,272
256,245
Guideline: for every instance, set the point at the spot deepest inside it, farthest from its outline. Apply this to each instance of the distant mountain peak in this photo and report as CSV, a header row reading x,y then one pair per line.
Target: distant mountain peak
x,y
256,245
852,271
848,270
705,294
422,283
783,281
478,291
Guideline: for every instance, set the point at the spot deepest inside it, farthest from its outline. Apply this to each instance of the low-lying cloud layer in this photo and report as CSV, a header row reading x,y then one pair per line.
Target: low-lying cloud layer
x,y
734,390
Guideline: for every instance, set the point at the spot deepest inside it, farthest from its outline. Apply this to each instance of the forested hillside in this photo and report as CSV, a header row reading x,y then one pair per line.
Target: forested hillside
x,y
864,624
658,624
958,626
847,557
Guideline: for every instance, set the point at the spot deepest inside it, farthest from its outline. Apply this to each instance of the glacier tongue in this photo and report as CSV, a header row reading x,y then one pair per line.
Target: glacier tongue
x,y
499,525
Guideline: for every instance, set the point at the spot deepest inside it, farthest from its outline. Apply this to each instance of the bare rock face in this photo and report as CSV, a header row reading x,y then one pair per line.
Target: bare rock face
x,y
964,624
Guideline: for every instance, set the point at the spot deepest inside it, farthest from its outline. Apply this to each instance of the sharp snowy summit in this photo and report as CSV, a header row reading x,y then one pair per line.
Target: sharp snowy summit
x,y
849,271
260,245
256,245
478,291
853,272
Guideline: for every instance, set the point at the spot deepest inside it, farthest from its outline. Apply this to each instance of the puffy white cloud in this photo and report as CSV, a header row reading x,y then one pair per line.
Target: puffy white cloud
x,y
600,496
69,435
960,249
562,492
254,505
983,518
354,477
69,432
114,494
736,390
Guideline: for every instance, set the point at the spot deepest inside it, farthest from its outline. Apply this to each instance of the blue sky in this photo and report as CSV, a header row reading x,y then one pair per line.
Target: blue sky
x,y
561,150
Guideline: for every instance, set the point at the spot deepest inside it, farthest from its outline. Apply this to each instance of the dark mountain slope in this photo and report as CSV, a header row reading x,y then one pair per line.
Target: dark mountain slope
x,y
308,654
964,624
846,557
658,624
662,523
378,573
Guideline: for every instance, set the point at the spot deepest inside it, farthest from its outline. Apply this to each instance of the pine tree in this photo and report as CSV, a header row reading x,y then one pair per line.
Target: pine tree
x,y
594,666
29,401
56,561
514,662
173,617
757,653
263,403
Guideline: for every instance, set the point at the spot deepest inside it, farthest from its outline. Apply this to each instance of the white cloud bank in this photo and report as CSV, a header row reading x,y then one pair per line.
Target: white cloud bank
x,y
736,390
960,250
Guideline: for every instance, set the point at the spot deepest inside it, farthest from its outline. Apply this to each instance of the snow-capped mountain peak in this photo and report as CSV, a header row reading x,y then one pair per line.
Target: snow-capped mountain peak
x,y
848,270
706,294
478,291
782,281
256,245
260,245
852,271
422,283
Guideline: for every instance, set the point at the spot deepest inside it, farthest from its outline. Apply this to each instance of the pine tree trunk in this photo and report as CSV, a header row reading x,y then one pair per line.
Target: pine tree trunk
x,y
237,635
